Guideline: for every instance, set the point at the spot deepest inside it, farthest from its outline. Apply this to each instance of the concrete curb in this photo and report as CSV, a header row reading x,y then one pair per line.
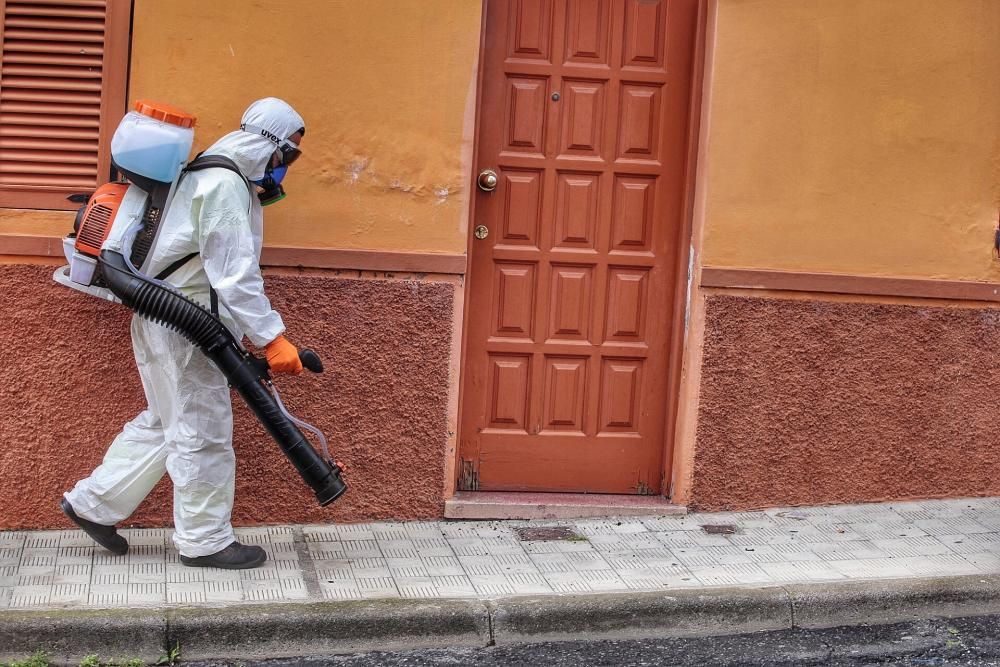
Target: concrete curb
x,y
317,628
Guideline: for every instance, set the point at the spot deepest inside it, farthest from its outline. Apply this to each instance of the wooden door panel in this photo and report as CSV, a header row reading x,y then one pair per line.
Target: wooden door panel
x,y
565,372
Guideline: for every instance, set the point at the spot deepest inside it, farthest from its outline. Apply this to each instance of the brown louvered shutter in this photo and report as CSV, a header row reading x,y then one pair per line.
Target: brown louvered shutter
x,y
62,93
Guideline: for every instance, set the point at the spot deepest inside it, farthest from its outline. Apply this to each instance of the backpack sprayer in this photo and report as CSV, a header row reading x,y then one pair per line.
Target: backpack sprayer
x,y
109,255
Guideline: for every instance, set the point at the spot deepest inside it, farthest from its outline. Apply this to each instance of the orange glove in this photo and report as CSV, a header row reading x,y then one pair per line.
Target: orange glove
x,y
282,356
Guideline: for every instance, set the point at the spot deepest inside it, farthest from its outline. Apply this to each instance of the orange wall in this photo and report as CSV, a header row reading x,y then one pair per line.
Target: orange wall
x,y
387,88
853,136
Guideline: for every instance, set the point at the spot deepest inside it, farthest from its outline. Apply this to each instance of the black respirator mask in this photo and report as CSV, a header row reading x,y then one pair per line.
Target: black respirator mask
x,y
269,190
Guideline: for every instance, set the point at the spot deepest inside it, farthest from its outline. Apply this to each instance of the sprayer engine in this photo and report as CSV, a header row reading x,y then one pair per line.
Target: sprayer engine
x,y
91,229
101,223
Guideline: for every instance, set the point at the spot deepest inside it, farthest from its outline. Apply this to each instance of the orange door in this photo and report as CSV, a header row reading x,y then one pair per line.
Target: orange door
x,y
583,117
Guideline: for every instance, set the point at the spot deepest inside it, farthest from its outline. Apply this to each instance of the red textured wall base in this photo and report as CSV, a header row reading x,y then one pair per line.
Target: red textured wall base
x,y
68,383
811,402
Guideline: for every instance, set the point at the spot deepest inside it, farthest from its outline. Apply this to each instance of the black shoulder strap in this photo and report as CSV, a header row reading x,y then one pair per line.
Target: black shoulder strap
x,y
200,162
162,275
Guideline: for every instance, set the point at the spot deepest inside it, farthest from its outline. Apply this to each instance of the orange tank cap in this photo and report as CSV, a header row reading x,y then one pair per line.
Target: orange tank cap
x,y
165,112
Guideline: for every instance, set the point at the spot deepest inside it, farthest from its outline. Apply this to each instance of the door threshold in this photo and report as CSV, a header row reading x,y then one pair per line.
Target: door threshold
x,y
518,505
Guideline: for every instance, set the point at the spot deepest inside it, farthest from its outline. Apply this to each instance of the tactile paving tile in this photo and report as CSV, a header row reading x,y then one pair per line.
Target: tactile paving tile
x,y
424,530
334,571
872,568
433,546
340,590
69,593
72,574
780,553
368,568
527,583
985,562
417,587
671,524
293,588
145,594
30,596
442,566
389,532
186,593
459,529
398,549
938,565
911,546
261,591
108,596
800,571
282,551
44,539
730,575
491,585
468,546
587,560
406,567
223,591
552,563
377,587
567,582
361,549
454,586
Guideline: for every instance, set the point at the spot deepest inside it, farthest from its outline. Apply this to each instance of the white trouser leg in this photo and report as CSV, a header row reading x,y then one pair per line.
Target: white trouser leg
x,y
136,459
201,461
132,466
187,431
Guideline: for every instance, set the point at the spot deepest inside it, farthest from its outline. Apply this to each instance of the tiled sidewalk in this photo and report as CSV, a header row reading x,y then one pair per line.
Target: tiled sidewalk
x,y
64,569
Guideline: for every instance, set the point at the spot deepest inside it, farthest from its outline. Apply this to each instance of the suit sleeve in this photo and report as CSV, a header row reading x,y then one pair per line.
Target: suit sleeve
x,y
227,252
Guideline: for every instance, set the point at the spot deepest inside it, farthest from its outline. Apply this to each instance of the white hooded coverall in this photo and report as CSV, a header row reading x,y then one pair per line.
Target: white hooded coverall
x,y
187,428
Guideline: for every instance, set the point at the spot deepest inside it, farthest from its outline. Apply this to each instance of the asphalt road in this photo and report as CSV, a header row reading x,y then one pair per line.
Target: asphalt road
x,y
945,642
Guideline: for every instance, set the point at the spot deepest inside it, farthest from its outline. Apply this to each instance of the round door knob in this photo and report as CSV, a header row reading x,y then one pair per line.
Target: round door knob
x,y
481,232
488,180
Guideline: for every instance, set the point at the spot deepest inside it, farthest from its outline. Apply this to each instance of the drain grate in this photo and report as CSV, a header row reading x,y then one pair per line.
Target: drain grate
x,y
719,529
548,534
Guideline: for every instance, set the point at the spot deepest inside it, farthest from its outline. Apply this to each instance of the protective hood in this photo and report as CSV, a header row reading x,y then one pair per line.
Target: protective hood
x,y
251,152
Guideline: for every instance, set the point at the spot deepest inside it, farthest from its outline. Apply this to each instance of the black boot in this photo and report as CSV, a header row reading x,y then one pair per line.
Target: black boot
x,y
234,557
106,536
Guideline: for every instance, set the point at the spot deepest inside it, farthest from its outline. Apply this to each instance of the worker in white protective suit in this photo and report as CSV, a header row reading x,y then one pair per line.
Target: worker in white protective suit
x,y
186,431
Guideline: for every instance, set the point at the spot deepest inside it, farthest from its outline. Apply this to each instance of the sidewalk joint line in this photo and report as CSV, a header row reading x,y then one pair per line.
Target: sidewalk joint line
x,y
306,564
791,605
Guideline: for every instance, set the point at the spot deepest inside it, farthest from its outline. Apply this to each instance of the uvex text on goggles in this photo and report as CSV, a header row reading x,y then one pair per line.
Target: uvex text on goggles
x,y
287,148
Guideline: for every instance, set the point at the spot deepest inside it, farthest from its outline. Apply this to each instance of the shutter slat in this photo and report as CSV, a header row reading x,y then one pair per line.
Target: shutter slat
x,y
11,167
55,36
50,84
41,144
52,59
95,12
27,46
29,95
48,131
49,181
50,114
62,157
45,23
53,72
23,6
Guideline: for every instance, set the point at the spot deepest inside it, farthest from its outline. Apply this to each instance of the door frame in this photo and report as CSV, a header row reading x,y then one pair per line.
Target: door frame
x,y
684,272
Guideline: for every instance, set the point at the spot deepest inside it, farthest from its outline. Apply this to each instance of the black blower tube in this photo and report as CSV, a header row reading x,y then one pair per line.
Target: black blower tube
x,y
245,372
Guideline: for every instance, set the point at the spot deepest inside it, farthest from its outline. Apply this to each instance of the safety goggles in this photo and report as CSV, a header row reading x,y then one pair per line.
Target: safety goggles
x,y
288,149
